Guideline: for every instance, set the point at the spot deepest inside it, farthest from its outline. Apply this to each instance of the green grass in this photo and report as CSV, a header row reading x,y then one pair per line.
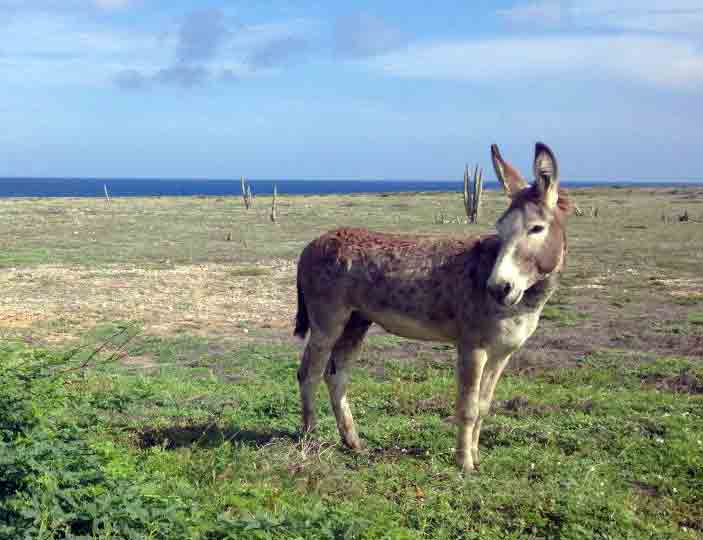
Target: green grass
x,y
25,257
598,451
563,316
689,300
195,435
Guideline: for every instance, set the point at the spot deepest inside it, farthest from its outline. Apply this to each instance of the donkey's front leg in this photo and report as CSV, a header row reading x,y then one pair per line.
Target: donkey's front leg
x,y
470,363
491,375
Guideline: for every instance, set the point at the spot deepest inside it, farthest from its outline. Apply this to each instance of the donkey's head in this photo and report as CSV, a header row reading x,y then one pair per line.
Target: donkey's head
x,y
531,231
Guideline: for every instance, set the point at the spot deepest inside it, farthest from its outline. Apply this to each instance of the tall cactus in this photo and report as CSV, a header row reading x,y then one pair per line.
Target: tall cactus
x,y
473,190
247,194
274,205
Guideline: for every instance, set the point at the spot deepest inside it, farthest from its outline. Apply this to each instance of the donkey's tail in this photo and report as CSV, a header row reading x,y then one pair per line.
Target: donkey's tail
x,y
302,322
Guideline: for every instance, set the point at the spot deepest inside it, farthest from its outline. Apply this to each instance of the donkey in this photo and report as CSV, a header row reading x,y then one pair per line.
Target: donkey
x,y
485,294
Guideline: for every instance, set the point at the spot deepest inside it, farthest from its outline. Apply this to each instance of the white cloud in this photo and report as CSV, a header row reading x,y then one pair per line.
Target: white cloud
x,y
665,62
62,5
688,22
112,4
675,16
253,36
551,12
212,46
44,48
659,43
49,36
364,35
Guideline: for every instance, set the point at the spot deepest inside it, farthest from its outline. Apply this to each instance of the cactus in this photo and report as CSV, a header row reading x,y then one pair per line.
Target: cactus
x,y
247,194
274,205
473,189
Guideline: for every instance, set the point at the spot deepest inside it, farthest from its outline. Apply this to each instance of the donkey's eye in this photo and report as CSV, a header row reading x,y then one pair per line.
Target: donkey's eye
x,y
536,229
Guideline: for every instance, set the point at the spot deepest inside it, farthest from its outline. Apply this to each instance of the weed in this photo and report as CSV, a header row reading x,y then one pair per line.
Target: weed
x,y
55,484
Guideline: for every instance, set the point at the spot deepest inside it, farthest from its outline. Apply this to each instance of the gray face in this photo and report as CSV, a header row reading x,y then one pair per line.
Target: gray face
x,y
532,241
524,232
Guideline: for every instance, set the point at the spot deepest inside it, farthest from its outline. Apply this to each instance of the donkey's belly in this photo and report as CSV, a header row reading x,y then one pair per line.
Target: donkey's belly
x,y
409,327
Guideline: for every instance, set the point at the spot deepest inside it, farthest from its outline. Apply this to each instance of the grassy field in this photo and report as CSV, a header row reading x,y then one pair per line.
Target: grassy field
x,y
185,424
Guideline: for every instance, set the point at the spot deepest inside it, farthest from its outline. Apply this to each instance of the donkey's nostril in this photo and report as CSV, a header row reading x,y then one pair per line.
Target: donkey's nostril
x,y
500,292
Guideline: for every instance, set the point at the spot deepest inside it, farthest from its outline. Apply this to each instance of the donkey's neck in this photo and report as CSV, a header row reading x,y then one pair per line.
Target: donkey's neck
x,y
536,296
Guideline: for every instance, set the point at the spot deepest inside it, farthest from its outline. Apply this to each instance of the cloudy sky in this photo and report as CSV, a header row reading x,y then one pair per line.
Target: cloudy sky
x,y
411,89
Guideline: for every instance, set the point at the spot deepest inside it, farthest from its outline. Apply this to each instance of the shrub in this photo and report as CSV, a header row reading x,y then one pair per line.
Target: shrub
x,y
55,483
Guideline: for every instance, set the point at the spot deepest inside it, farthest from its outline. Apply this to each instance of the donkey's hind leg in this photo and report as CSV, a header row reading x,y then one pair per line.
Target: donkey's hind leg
x,y
312,366
314,360
344,354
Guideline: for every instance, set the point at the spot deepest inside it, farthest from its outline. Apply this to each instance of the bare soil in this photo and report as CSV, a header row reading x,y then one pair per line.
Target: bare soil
x,y
632,281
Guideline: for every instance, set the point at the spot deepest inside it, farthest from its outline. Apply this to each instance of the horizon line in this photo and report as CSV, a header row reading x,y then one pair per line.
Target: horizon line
x,y
249,179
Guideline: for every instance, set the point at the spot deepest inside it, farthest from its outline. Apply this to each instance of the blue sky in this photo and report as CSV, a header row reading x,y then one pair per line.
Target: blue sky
x,y
325,90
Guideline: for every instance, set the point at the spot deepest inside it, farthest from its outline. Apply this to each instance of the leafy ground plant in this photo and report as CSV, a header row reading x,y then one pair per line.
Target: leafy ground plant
x,y
609,449
55,483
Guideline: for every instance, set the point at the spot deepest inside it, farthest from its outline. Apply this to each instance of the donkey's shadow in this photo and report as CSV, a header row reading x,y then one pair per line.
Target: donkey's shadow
x,y
208,435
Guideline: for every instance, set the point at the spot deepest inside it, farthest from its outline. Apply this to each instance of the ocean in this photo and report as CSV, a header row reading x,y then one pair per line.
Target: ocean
x,y
126,187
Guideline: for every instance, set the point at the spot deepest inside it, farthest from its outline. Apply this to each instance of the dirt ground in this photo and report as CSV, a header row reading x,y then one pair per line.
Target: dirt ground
x,y
61,303
206,268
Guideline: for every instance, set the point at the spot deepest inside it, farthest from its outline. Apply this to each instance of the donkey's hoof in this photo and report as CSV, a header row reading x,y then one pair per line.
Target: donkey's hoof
x,y
309,424
477,459
354,444
465,463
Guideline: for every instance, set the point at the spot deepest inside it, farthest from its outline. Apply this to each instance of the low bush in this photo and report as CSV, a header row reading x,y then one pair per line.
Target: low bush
x,y
55,483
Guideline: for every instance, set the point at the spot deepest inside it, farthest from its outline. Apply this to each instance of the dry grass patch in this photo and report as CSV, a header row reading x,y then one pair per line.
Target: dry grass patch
x,y
206,299
207,267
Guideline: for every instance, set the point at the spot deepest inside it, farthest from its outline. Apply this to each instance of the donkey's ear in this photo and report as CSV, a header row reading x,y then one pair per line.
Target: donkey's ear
x,y
512,180
546,174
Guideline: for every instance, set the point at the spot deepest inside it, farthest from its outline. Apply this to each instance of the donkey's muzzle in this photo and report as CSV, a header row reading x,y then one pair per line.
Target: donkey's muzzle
x,y
500,292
